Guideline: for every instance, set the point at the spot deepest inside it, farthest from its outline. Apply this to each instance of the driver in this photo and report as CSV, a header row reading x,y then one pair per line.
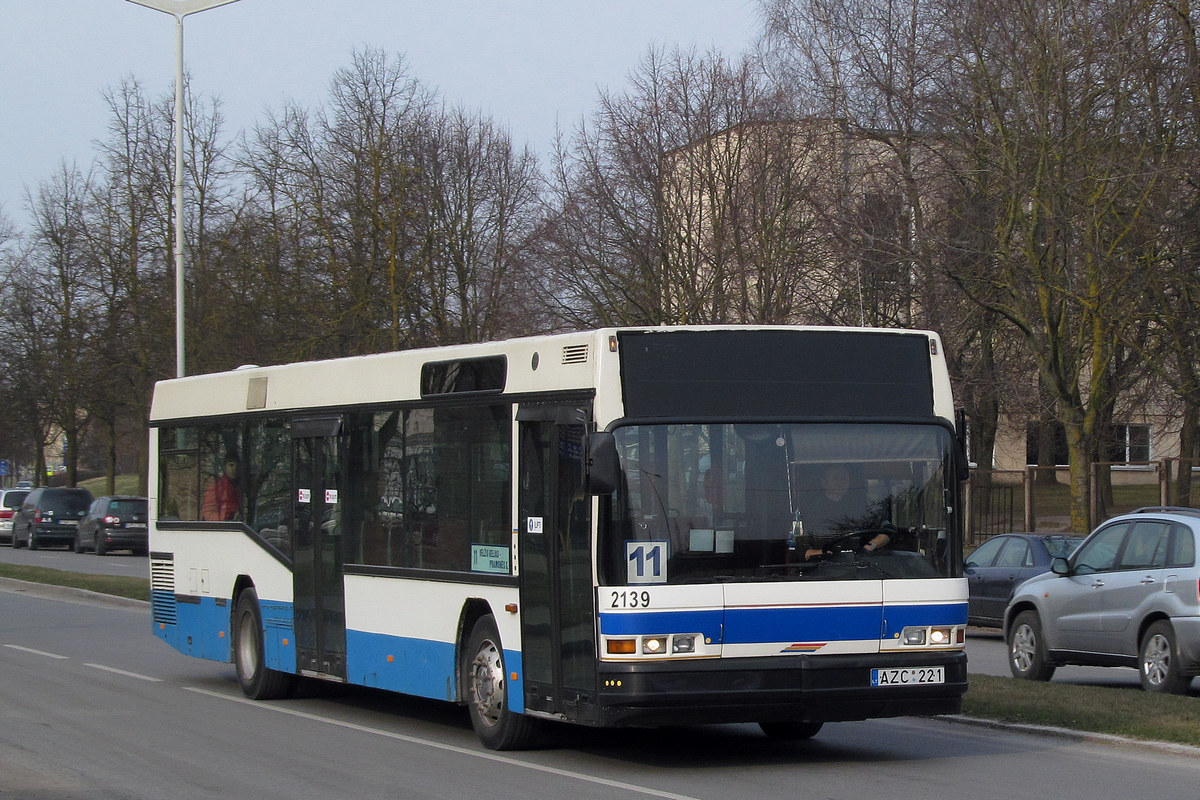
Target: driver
x,y
839,509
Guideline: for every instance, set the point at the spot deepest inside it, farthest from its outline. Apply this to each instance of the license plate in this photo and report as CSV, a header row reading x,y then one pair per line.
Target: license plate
x,y
907,676
70,522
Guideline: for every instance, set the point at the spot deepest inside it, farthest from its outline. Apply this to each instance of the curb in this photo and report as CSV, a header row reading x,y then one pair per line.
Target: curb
x,y
69,594
1170,748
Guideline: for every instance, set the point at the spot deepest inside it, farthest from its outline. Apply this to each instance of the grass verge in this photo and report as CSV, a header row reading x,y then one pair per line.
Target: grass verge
x,y
1127,712
135,588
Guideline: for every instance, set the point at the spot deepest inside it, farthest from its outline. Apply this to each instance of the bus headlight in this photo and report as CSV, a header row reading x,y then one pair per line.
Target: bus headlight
x,y
683,644
934,637
654,645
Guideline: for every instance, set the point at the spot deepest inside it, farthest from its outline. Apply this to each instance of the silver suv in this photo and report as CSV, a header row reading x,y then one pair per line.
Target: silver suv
x,y
1126,598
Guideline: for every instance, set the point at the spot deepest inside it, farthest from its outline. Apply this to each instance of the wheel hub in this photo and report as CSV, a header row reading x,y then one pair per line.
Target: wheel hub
x,y
487,683
1156,659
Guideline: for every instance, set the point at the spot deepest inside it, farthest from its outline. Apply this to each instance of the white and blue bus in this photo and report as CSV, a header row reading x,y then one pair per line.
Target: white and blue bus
x,y
635,526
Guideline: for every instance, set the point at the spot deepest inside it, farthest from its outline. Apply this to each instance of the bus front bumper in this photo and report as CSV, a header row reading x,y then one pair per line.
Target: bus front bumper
x,y
799,688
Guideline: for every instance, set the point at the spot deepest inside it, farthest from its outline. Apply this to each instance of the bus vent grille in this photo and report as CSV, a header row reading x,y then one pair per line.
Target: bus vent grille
x,y
162,591
575,354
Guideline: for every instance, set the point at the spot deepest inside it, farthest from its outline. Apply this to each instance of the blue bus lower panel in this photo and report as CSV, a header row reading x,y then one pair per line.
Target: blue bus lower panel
x,y
417,667
200,627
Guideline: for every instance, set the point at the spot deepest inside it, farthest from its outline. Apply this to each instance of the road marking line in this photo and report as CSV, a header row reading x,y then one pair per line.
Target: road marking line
x,y
37,652
450,748
125,673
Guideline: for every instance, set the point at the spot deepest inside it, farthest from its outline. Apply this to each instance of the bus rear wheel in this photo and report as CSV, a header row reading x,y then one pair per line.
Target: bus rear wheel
x,y
485,689
258,682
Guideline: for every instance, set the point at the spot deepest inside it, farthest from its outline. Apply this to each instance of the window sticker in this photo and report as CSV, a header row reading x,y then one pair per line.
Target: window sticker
x,y
304,496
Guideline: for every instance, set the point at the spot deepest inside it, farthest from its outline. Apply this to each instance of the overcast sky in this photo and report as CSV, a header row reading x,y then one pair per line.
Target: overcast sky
x,y
528,64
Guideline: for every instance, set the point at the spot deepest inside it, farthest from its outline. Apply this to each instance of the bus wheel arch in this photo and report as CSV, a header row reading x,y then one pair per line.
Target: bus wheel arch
x,y
473,610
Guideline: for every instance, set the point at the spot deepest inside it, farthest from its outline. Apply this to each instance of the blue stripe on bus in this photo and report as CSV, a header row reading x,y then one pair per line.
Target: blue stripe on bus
x,y
824,623
775,624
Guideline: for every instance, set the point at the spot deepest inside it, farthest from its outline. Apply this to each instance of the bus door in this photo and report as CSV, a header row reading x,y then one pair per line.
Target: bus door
x,y
557,613
320,603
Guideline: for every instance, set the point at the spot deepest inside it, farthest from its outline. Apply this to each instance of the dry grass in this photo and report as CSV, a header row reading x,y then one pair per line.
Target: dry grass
x,y
1097,709
135,588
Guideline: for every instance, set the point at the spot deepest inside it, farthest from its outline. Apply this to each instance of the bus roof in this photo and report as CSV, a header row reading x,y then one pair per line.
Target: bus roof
x,y
582,361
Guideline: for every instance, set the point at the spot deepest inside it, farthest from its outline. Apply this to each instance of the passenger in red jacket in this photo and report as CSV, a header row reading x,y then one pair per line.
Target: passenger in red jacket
x,y
222,498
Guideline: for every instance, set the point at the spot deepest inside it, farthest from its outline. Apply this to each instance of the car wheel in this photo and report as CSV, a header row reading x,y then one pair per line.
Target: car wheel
x,y
485,690
33,542
257,680
791,731
1027,649
99,548
1159,661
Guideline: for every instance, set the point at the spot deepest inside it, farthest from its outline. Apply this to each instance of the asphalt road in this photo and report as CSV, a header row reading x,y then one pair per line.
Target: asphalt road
x,y
93,706
118,563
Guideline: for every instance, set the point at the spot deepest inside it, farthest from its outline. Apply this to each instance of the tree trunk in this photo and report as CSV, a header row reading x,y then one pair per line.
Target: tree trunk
x,y
1181,494
1079,447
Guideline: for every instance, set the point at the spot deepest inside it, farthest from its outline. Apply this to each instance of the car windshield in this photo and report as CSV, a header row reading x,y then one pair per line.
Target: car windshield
x,y
1062,546
753,502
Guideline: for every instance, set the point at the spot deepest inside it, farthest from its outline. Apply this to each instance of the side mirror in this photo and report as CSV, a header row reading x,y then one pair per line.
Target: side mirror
x,y
603,465
1060,566
962,463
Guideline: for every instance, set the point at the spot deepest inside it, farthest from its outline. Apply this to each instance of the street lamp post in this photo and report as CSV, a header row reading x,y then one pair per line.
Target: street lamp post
x,y
179,9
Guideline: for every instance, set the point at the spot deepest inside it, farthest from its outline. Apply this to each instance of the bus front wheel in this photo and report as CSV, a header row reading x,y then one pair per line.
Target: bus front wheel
x,y
257,680
485,689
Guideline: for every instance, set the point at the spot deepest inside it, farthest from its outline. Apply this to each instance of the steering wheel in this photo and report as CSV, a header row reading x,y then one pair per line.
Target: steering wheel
x,y
860,537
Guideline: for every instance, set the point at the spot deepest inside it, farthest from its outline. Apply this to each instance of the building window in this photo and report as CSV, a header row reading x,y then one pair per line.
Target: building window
x,y
1047,440
1120,444
1129,443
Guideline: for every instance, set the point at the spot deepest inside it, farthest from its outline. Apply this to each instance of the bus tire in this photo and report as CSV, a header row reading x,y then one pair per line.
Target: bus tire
x,y
485,691
791,731
257,681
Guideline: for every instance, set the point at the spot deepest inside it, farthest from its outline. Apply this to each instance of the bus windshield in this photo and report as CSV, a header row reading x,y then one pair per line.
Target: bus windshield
x,y
801,501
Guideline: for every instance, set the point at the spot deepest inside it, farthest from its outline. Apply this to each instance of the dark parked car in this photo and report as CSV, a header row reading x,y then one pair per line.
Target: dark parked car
x,y
49,516
1002,563
114,523
10,501
1125,598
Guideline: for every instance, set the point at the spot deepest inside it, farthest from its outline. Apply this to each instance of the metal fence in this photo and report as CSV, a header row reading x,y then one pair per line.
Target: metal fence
x,y
1038,498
